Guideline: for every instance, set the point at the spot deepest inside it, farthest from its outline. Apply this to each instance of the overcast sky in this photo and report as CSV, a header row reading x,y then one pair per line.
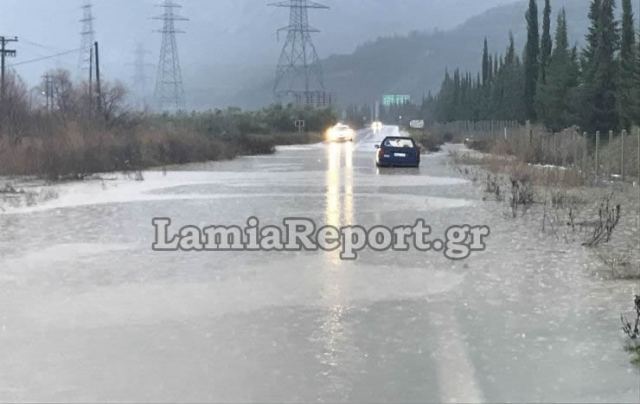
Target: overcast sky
x,y
219,33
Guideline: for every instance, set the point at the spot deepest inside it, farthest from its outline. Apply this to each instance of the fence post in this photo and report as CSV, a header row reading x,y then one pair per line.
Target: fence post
x,y
638,162
574,137
610,160
597,154
585,152
564,153
622,136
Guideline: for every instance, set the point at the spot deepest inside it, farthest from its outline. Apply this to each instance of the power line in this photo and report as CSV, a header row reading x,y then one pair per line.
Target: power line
x,y
37,45
40,59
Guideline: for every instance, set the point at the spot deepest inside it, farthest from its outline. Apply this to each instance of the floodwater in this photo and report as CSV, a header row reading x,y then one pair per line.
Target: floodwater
x,y
88,312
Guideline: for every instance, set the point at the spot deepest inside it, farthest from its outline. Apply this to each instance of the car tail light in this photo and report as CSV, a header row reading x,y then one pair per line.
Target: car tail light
x,y
380,153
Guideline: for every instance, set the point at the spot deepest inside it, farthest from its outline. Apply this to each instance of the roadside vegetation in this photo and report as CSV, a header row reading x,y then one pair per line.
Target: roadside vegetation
x,y
550,82
429,141
596,88
554,99
631,327
568,96
74,135
549,181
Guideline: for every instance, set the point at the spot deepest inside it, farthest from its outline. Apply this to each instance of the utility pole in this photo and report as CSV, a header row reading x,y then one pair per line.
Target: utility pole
x,y
91,80
4,53
98,86
47,81
299,75
169,91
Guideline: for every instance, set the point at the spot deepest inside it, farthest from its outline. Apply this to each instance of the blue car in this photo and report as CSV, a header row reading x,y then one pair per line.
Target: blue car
x,y
398,152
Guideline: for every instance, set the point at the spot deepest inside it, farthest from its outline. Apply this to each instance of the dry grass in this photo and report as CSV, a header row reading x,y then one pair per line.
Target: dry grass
x,y
569,149
74,152
561,169
73,136
429,140
510,166
612,156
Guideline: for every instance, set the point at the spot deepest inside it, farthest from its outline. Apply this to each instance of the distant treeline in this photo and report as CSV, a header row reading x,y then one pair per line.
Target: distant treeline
x,y
553,83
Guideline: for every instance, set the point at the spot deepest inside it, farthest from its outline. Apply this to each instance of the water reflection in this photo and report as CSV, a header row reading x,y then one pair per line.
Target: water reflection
x,y
339,210
337,351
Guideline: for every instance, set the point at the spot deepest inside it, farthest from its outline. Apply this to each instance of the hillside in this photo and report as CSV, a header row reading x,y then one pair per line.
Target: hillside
x,y
243,48
415,64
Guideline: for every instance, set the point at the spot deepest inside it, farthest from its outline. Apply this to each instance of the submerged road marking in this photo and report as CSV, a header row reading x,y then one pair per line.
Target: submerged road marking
x,y
456,373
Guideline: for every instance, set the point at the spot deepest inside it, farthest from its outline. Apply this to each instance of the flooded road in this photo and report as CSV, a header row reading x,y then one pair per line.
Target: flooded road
x,y
88,312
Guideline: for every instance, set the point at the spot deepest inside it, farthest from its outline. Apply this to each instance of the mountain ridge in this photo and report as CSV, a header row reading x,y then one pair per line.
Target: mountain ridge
x,y
415,63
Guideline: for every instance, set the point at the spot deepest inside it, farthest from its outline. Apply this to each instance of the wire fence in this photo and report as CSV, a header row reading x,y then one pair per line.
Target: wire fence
x,y
609,161
598,156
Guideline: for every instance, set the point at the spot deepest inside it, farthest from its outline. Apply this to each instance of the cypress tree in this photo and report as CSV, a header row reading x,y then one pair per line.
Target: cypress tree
x,y
554,98
446,100
531,59
626,79
546,44
600,70
485,63
490,66
592,35
636,93
510,58
510,91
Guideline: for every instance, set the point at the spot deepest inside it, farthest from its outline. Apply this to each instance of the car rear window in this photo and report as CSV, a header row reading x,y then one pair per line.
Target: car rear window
x,y
400,143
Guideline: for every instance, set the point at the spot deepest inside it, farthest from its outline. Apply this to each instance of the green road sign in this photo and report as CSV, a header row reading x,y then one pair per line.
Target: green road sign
x,y
395,99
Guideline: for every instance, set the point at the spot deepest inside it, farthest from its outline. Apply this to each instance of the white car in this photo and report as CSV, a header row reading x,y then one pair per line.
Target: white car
x,y
341,133
376,126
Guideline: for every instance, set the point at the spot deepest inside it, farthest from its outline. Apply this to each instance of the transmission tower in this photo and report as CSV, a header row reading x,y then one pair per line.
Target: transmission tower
x,y
299,74
140,79
169,91
87,37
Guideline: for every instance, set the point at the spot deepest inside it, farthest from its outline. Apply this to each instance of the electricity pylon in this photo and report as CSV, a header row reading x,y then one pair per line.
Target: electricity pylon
x,y
140,78
299,76
169,92
87,37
